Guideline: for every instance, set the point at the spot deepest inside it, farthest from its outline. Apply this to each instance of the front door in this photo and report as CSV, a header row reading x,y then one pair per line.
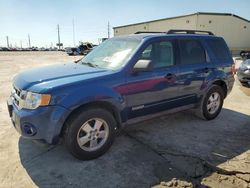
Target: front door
x,y
156,90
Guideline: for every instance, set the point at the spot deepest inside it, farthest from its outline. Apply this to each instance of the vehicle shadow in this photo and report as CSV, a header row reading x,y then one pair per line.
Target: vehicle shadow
x,y
178,146
126,164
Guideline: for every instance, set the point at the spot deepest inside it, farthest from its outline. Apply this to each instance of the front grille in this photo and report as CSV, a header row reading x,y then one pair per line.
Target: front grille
x,y
18,92
17,96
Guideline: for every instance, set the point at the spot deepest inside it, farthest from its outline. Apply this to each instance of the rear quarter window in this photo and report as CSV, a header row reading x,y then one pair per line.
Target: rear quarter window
x,y
219,49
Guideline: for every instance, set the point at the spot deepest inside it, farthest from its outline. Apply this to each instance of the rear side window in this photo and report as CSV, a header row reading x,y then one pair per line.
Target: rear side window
x,y
191,52
219,49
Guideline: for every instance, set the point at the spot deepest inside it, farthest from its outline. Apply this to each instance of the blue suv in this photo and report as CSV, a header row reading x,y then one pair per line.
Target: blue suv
x,y
124,80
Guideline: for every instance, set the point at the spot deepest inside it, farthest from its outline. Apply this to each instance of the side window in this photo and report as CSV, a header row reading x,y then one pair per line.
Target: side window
x,y
146,54
191,52
161,53
219,49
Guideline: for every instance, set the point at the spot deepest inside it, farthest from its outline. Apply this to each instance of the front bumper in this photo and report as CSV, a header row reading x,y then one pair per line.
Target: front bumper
x,y
43,123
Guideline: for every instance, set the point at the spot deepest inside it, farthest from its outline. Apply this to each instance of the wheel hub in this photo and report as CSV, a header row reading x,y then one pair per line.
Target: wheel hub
x,y
93,134
213,103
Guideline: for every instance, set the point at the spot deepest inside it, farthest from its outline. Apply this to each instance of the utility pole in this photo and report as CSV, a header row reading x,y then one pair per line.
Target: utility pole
x,y
7,38
29,40
73,22
108,31
58,35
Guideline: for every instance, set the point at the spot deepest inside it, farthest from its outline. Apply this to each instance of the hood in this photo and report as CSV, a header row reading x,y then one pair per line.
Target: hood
x,y
54,75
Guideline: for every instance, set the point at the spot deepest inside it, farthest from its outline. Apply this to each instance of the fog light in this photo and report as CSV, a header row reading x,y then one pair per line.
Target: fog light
x,y
29,129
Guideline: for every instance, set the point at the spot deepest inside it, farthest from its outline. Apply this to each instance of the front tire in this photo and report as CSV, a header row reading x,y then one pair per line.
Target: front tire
x,y
89,133
211,104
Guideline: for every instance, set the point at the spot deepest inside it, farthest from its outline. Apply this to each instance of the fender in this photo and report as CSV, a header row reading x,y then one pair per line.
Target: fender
x,y
83,95
221,74
78,96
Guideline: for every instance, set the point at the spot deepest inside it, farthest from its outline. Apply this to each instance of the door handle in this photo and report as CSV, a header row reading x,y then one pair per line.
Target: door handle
x,y
206,70
169,76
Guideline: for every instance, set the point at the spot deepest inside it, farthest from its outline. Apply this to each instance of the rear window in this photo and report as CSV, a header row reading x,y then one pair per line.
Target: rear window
x,y
219,49
191,52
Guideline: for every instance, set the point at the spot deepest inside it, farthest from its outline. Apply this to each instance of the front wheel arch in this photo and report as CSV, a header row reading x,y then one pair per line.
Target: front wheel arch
x,y
97,104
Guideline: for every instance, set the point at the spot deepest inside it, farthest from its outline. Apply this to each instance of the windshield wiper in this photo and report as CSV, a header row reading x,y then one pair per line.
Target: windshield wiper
x,y
77,60
90,64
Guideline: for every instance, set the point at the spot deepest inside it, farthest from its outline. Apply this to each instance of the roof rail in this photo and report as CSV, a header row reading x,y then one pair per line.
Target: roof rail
x,y
141,32
176,31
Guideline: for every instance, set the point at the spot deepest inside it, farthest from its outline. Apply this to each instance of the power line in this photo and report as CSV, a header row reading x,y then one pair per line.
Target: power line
x,y
108,31
29,40
58,35
73,32
7,38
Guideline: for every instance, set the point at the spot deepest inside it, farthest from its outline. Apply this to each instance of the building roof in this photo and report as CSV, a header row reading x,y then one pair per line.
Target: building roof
x,y
197,13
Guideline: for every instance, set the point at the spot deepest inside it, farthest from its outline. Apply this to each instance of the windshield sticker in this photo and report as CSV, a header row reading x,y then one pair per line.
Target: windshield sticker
x,y
117,57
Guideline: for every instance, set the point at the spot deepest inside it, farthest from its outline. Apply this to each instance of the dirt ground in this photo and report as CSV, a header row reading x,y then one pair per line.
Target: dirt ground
x,y
177,150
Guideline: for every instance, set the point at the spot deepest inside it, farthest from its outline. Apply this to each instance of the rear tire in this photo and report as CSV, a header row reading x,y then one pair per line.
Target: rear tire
x,y
211,104
89,133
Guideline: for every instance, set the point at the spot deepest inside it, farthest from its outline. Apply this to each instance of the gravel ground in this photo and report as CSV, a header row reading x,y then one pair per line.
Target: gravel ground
x,y
178,150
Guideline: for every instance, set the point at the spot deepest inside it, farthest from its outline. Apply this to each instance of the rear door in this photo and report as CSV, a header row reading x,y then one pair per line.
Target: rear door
x,y
194,67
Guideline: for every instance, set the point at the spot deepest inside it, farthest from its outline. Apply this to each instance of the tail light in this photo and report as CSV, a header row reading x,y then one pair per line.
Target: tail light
x,y
233,69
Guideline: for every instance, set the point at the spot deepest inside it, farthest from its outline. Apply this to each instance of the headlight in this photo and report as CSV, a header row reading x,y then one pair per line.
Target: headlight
x,y
34,100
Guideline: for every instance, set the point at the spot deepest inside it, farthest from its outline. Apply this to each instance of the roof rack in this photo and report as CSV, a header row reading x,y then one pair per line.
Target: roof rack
x,y
176,31
141,32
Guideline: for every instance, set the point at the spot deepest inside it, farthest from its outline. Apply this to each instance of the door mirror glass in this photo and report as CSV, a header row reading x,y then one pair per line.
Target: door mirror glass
x,y
143,65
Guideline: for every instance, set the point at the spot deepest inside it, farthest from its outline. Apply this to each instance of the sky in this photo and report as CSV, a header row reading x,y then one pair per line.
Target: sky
x,y
39,18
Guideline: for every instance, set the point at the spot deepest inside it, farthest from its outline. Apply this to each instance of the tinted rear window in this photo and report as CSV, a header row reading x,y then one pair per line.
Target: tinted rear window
x,y
219,49
192,52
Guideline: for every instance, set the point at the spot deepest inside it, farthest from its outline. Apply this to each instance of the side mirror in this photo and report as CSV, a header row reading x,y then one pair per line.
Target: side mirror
x,y
143,66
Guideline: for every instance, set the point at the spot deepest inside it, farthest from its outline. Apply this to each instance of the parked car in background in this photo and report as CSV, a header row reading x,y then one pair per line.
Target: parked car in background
x,y
82,49
124,80
5,49
243,72
245,55
73,51
85,48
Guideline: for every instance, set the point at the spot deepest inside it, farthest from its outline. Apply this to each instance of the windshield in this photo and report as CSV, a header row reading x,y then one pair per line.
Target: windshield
x,y
111,54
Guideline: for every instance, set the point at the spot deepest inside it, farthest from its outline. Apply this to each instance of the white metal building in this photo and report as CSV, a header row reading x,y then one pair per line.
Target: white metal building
x,y
234,29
